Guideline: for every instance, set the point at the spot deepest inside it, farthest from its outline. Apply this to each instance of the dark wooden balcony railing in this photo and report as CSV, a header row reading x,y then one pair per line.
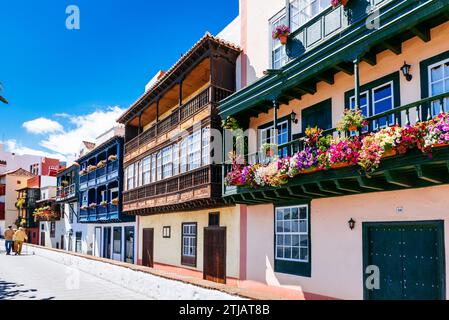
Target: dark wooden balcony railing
x,y
210,95
198,178
405,115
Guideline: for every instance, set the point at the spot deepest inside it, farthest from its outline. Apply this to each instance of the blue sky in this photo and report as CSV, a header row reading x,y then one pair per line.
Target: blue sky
x,y
62,83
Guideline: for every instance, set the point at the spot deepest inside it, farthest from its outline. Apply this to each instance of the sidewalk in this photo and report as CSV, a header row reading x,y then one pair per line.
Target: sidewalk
x,y
243,289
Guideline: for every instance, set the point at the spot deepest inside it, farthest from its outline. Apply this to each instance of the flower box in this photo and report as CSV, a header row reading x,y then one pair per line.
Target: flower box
x,y
309,171
340,165
439,145
389,154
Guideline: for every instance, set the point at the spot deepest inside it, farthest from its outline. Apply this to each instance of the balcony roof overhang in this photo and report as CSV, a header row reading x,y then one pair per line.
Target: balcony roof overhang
x,y
196,54
400,21
413,170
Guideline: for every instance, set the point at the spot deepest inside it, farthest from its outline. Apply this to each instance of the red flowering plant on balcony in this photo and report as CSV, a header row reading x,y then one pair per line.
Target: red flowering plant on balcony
x,y
281,33
433,133
342,152
45,214
236,176
336,3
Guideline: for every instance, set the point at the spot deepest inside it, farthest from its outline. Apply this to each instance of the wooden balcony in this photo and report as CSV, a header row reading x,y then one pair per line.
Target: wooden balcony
x,y
411,170
196,189
197,109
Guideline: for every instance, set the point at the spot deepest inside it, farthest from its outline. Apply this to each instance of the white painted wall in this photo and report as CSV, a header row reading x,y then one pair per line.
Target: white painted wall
x,y
16,161
144,283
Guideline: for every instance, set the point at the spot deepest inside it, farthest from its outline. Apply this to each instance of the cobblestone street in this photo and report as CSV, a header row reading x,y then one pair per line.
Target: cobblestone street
x,y
33,277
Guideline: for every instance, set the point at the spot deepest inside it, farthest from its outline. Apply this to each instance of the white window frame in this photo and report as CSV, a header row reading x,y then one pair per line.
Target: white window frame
x,y
176,159
153,168
146,171
167,162
189,240
184,167
130,172
445,78
194,150
159,165
275,45
205,146
302,7
262,141
292,234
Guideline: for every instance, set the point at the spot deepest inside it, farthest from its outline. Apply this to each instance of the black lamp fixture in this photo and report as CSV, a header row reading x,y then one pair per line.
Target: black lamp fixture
x,y
293,117
351,224
406,71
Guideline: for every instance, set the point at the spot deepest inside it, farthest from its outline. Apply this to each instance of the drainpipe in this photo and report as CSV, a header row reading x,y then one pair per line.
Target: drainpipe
x,y
275,121
357,81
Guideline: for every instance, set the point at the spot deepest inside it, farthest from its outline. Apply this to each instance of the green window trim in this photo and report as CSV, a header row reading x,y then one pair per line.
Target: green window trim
x,y
302,269
424,74
324,111
393,77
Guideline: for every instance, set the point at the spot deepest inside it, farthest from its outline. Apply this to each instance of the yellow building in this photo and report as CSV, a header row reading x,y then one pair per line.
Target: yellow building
x,y
172,183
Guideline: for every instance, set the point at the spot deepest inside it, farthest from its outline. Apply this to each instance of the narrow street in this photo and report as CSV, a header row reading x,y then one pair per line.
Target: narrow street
x,y
32,277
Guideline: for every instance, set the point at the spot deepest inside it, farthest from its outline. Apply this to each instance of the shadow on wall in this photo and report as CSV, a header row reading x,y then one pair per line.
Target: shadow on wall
x,y
251,76
15,291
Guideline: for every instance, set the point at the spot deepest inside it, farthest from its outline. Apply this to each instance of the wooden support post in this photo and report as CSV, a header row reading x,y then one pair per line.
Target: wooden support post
x,y
275,121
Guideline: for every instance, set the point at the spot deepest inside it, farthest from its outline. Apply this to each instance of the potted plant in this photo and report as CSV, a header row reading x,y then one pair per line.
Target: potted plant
x,y
91,168
281,33
84,207
104,203
352,120
64,183
115,202
20,203
112,157
343,153
92,206
336,3
434,133
101,164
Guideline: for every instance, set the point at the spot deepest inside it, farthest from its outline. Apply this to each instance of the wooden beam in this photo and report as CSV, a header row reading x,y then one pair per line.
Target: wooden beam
x,y
398,179
308,88
297,192
366,183
396,48
370,58
422,32
345,67
329,78
328,189
426,175
313,191
347,186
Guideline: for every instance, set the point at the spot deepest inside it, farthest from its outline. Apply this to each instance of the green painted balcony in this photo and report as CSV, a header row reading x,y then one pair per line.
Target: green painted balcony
x,y
413,169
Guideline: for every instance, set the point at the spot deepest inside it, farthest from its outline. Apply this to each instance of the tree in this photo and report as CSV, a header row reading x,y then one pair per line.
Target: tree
x,y
2,99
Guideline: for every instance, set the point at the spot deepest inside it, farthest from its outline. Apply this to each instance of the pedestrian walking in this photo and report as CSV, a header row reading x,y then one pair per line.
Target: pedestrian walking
x,y
20,237
14,242
9,235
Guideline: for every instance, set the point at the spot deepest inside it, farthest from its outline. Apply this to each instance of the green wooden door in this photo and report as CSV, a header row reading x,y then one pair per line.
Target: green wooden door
x,y
410,257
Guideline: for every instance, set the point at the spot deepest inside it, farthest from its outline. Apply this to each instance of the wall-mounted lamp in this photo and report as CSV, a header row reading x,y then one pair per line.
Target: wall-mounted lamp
x,y
293,117
351,224
406,71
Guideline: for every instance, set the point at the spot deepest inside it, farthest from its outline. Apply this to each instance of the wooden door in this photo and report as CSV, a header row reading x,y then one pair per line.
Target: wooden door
x,y
410,258
43,239
148,248
215,254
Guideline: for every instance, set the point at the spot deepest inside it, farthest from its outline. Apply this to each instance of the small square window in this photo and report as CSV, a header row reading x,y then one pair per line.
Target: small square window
x,y
166,232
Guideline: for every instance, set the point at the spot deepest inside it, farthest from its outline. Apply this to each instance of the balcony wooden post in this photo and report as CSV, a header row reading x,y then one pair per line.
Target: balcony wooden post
x,y
157,116
180,100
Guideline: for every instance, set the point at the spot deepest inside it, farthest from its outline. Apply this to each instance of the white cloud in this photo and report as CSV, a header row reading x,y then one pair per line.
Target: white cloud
x,y
84,128
13,146
42,126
